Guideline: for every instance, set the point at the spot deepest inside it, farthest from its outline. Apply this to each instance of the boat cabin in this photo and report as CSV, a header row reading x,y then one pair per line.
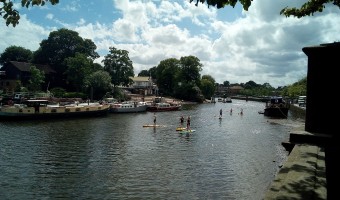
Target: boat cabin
x,y
36,103
276,100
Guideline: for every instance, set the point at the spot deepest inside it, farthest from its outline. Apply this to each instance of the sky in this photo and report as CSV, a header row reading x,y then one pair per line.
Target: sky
x,y
233,45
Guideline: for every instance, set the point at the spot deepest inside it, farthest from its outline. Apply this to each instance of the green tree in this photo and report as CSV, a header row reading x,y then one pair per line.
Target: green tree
x,y
307,9
60,45
166,73
210,78
226,83
207,88
190,77
144,72
78,68
16,53
118,64
298,88
98,84
37,78
12,15
190,68
250,85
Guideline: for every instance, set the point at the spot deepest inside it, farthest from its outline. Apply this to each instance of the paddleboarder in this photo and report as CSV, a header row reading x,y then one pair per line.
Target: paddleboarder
x,y
154,119
188,123
182,119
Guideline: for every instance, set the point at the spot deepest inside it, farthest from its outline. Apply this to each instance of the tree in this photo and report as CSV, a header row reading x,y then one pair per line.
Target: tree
x,y
226,83
144,73
98,83
118,64
62,44
12,16
16,53
78,68
37,78
207,88
210,78
190,68
307,9
250,85
166,73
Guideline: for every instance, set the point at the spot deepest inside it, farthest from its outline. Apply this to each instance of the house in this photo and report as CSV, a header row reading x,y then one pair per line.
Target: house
x,y
143,85
234,90
14,72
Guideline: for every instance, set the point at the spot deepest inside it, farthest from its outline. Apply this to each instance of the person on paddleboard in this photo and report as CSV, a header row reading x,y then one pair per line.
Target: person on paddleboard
x,y
154,119
182,119
188,123
221,113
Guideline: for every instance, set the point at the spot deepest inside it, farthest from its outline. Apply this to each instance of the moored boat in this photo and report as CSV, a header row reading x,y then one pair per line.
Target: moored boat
x,y
42,109
163,106
227,100
128,107
276,107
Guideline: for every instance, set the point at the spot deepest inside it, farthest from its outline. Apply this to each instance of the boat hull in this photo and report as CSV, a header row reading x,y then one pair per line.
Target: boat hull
x,y
158,109
276,112
29,113
129,110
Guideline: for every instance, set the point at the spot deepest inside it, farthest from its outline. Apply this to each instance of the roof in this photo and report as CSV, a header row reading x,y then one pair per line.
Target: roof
x,y
141,78
25,67
236,87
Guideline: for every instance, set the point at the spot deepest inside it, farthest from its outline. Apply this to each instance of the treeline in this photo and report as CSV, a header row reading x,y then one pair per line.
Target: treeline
x,y
72,58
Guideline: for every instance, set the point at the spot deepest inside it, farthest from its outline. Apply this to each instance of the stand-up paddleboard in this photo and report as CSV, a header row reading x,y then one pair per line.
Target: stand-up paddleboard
x,y
187,131
153,125
181,128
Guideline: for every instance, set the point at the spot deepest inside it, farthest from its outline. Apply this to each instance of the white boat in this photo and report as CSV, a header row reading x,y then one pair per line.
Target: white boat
x,y
159,107
128,107
42,109
227,100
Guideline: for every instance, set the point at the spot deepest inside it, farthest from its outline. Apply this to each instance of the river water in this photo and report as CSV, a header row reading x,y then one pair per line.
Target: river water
x,y
114,157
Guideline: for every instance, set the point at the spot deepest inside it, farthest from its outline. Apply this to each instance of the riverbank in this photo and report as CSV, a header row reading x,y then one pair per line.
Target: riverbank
x,y
311,170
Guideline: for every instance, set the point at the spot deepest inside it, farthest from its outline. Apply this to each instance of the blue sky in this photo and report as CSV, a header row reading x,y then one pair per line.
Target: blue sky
x,y
234,45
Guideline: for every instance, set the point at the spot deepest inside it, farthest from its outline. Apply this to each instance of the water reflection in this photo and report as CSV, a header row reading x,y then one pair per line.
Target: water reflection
x,y
115,157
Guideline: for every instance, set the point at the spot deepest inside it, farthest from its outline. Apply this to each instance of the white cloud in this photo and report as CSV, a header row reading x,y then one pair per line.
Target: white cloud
x,y
259,45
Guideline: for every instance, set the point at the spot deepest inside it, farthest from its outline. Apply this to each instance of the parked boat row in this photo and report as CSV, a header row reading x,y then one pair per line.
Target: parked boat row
x,y
42,109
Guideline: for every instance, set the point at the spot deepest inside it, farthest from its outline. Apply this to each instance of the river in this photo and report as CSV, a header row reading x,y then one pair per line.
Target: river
x,y
114,157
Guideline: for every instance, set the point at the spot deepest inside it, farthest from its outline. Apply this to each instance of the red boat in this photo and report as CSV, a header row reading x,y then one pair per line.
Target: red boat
x,y
158,107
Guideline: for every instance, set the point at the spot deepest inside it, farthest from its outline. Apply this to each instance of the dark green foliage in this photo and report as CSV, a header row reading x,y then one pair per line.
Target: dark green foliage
x,y
16,53
307,9
118,64
58,92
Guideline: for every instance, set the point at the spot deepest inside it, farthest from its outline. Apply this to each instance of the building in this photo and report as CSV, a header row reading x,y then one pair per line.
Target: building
x,y
143,85
235,90
14,73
